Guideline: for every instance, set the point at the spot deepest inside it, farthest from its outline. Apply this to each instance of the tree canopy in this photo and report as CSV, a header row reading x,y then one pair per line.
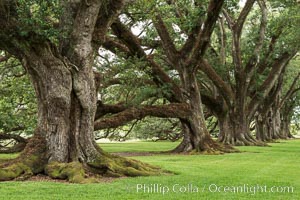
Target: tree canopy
x,y
73,71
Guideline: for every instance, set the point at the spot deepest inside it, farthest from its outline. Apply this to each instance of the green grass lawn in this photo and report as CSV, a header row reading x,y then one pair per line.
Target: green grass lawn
x,y
265,167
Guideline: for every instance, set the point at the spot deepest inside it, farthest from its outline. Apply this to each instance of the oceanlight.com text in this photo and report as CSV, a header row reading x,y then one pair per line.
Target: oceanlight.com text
x,y
251,189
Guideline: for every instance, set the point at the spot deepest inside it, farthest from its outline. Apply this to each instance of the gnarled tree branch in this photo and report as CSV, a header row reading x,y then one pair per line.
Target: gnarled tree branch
x,y
203,37
173,110
167,41
290,91
131,41
254,59
269,82
223,87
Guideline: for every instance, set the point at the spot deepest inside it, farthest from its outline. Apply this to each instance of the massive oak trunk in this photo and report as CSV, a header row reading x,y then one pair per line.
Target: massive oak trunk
x,y
67,104
63,145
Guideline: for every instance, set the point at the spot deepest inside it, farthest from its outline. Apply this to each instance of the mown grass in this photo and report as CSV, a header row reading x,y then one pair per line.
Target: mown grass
x,y
141,146
265,166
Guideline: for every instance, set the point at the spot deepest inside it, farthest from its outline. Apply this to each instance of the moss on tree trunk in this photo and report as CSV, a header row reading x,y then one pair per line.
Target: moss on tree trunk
x,y
34,160
63,146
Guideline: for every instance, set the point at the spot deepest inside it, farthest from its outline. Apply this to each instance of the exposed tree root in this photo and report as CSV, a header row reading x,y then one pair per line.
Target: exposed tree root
x,y
211,147
74,172
32,161
115,166
184,147
208,146
242,141
106,166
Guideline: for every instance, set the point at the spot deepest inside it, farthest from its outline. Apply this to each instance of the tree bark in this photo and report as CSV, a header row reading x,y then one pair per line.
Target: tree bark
x,y
225,127
285,128
260,129
67,105
196,136
234,130
124,116
186,143
63,145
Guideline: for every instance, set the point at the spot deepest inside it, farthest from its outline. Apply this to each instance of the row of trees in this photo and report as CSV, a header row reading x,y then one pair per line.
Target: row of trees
x,y
241,64
99,65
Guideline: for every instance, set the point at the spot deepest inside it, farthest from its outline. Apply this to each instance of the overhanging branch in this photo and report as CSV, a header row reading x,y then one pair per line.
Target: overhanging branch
x,y
173,110
238,26
222,86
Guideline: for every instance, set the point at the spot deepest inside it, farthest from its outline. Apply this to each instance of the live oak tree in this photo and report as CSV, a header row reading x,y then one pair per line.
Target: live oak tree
x,y
55,47
255,52
274,115
290,101
172,64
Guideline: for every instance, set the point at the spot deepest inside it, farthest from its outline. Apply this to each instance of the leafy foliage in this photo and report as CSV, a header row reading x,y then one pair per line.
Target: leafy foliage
x,y
40,17
134,87
17,102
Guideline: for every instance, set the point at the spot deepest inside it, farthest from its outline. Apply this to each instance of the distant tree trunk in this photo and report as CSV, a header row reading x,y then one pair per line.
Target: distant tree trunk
x,y
285,128
276,124
269,125
286,121
225,127
234,130
263,124
196,136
